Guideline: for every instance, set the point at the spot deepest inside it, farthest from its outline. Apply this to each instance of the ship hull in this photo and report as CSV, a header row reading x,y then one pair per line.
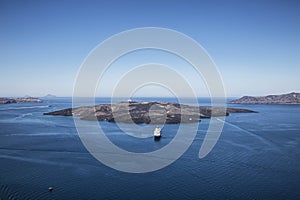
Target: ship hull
x,y
157,138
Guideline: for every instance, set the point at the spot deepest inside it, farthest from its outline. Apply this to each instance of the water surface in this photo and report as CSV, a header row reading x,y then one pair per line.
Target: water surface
x,y
256,157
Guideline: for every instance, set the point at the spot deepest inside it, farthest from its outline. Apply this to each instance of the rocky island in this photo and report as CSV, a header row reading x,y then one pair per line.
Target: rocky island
x,y
146,112
291,98
5,100
50,96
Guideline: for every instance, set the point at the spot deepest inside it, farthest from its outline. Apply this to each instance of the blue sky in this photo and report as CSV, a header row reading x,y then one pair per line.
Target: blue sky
x,y
255,44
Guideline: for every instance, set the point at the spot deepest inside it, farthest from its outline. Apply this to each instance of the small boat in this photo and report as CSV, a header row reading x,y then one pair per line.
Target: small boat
x,y
157,133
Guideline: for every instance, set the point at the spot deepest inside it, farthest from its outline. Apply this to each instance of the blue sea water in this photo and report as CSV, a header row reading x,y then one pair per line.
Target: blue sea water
x,y
256,157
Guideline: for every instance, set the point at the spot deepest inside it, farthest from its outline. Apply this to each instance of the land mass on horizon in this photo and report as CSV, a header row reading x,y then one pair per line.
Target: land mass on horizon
x,y
290,98
50,96
5,100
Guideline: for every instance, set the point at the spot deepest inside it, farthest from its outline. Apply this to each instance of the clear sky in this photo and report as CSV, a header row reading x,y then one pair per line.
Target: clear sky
x,y
255,44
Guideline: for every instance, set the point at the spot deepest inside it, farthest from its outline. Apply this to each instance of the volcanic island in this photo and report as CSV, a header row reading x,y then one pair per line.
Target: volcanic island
x,y
147,112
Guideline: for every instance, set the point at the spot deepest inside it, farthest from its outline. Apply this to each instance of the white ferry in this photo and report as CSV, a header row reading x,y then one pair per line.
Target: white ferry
x,y
157,133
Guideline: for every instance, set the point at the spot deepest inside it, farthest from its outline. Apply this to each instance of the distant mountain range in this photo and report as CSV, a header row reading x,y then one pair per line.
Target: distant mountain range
x,y
291,98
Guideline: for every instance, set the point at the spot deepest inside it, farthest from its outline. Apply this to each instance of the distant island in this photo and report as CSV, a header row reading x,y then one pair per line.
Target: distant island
x,y
291,98
6,100
49,96
146,112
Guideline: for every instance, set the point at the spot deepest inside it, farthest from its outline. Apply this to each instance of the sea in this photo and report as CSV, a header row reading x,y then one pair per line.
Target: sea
x,y
256,157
